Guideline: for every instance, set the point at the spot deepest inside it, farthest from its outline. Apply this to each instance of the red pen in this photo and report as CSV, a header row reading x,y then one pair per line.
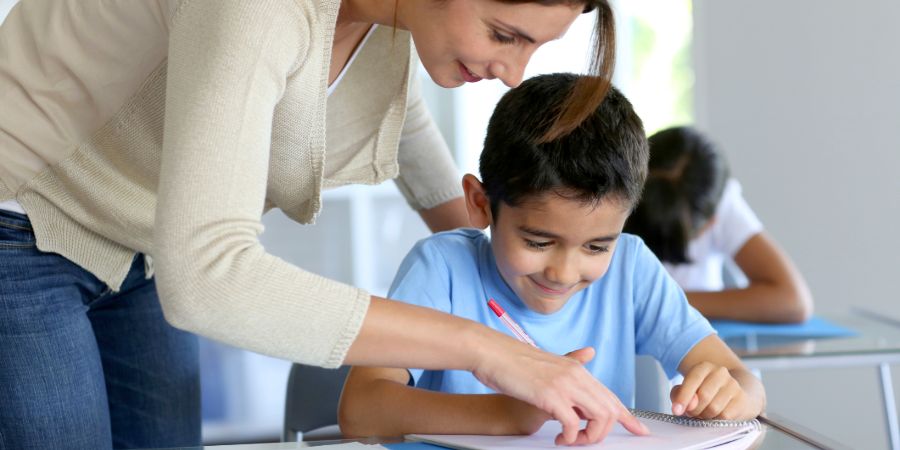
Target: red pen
x,y
512,325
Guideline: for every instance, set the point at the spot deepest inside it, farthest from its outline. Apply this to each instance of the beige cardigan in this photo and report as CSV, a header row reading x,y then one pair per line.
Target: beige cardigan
x,y
87,90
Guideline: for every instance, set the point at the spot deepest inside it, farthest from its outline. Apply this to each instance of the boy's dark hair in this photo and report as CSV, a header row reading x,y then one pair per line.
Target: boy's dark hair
x,y
604,156
684,186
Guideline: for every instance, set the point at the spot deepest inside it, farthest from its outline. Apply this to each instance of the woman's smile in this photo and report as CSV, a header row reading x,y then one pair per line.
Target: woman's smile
x,y
467,74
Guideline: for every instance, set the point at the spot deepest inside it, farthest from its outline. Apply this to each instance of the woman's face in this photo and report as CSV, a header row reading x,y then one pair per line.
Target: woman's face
x,y
461,41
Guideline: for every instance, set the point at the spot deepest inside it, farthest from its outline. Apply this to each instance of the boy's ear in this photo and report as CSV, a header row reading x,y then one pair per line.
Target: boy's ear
x,y
477,204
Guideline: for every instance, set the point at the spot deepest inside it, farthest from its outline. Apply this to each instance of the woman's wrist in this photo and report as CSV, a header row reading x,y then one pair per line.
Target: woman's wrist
x,y
477,340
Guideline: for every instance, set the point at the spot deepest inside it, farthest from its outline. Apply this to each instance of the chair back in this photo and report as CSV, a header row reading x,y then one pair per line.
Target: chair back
x,y
651,386
312,400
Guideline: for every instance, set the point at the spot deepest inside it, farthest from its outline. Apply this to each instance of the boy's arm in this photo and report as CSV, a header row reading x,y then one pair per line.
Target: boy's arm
x,y
777,291
716,384
378,402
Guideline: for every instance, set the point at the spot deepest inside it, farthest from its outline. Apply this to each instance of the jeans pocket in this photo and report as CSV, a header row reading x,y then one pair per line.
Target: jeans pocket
x,y
15,231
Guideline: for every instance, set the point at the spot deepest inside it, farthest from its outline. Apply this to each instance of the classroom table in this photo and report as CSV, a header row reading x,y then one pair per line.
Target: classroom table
x,y
877,345
777,435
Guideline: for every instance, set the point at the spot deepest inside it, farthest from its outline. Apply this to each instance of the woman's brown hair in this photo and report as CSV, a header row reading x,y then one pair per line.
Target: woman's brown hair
x,y
589,91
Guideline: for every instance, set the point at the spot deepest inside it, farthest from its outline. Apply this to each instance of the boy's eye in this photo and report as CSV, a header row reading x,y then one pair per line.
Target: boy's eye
x,y
502,38
538,245
597,249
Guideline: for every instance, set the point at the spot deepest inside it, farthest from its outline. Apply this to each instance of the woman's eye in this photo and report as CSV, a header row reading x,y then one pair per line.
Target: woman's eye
x,y
502,38
596,249
536,244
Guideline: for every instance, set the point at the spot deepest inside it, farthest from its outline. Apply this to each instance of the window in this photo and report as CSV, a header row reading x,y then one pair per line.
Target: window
x,y
653,68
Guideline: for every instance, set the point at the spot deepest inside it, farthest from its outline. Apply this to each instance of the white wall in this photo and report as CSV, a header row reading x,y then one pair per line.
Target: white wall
x,y
804,96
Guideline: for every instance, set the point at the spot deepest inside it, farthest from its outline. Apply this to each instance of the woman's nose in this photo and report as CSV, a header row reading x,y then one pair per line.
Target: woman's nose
x,y
511,78
511,68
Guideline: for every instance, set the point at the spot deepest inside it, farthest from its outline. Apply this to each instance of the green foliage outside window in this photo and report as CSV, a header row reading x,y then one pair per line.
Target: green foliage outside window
x,y
661,79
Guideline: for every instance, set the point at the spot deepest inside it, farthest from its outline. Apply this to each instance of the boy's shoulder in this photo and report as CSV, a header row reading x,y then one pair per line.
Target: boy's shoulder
x,y
454,243
629,244
457,237
633,254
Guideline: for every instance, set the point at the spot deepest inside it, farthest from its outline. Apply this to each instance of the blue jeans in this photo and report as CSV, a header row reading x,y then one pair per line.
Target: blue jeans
x,y
82,367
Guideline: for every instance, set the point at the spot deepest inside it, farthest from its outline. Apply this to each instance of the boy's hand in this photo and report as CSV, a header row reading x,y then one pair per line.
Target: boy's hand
x,y
709,391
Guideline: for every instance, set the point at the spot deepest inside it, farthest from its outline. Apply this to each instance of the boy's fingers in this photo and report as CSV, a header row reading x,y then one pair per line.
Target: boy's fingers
x,y
678,407
731,411
723,397
712,408
682,395
710,390
694,402
716,406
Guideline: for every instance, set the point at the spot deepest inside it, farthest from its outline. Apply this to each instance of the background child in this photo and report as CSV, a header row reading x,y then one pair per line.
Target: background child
x,y
559,265
692,215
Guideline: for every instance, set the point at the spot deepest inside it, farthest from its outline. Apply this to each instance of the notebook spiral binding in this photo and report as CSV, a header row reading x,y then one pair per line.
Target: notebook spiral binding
x,y
693,422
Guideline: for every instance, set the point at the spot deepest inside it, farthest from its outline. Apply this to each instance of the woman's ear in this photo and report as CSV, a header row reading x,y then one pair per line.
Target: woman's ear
x,y
477,203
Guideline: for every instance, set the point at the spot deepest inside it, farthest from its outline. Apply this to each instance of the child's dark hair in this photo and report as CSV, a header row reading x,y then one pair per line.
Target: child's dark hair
x,y
606,155
684,186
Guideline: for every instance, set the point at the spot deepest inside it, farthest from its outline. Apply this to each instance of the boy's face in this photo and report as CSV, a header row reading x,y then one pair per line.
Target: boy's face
x,y
551,247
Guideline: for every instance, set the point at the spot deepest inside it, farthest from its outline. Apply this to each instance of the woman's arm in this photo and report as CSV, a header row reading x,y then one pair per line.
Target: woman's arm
x,y
777,291
378,402
446,216
716,384
396,334
428,178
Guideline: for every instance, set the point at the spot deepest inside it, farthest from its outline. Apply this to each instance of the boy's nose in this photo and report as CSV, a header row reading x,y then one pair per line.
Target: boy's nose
x,y
563,273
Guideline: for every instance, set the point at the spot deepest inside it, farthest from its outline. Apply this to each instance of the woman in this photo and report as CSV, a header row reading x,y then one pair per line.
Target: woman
x,y
142,138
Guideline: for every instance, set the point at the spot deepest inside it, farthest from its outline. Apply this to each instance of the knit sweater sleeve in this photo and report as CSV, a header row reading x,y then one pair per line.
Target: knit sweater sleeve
x,y
428,176
227,69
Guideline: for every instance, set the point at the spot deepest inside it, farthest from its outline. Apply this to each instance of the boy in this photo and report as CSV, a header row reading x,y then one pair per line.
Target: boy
x,y
559,265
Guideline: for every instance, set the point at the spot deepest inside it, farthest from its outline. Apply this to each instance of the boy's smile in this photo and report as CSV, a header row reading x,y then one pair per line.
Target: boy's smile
x,y
550,247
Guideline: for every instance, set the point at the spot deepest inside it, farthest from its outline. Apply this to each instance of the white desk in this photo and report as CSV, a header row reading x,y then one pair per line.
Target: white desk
x,y
775,436
876,346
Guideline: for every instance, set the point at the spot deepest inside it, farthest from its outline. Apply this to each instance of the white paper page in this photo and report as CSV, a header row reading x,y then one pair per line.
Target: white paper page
x,y
662,436
295,445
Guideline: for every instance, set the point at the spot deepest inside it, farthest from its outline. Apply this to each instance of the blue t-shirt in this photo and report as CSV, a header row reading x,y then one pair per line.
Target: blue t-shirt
x,y
635,308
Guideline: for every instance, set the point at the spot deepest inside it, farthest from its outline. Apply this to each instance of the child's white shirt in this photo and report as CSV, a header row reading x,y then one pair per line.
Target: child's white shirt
x,y
735,223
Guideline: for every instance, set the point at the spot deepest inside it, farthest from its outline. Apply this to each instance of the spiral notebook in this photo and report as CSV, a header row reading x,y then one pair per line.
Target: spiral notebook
x,y
666,432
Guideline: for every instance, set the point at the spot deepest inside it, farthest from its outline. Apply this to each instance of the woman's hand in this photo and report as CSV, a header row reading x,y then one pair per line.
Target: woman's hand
x,y
395,334
558,385
709,391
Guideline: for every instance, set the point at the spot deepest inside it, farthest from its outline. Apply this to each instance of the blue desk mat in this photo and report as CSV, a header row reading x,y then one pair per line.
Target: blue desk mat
x,y
413,446
816,327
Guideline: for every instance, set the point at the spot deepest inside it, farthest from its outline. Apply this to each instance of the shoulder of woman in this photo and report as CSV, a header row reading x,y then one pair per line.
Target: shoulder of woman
x,y
287,17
